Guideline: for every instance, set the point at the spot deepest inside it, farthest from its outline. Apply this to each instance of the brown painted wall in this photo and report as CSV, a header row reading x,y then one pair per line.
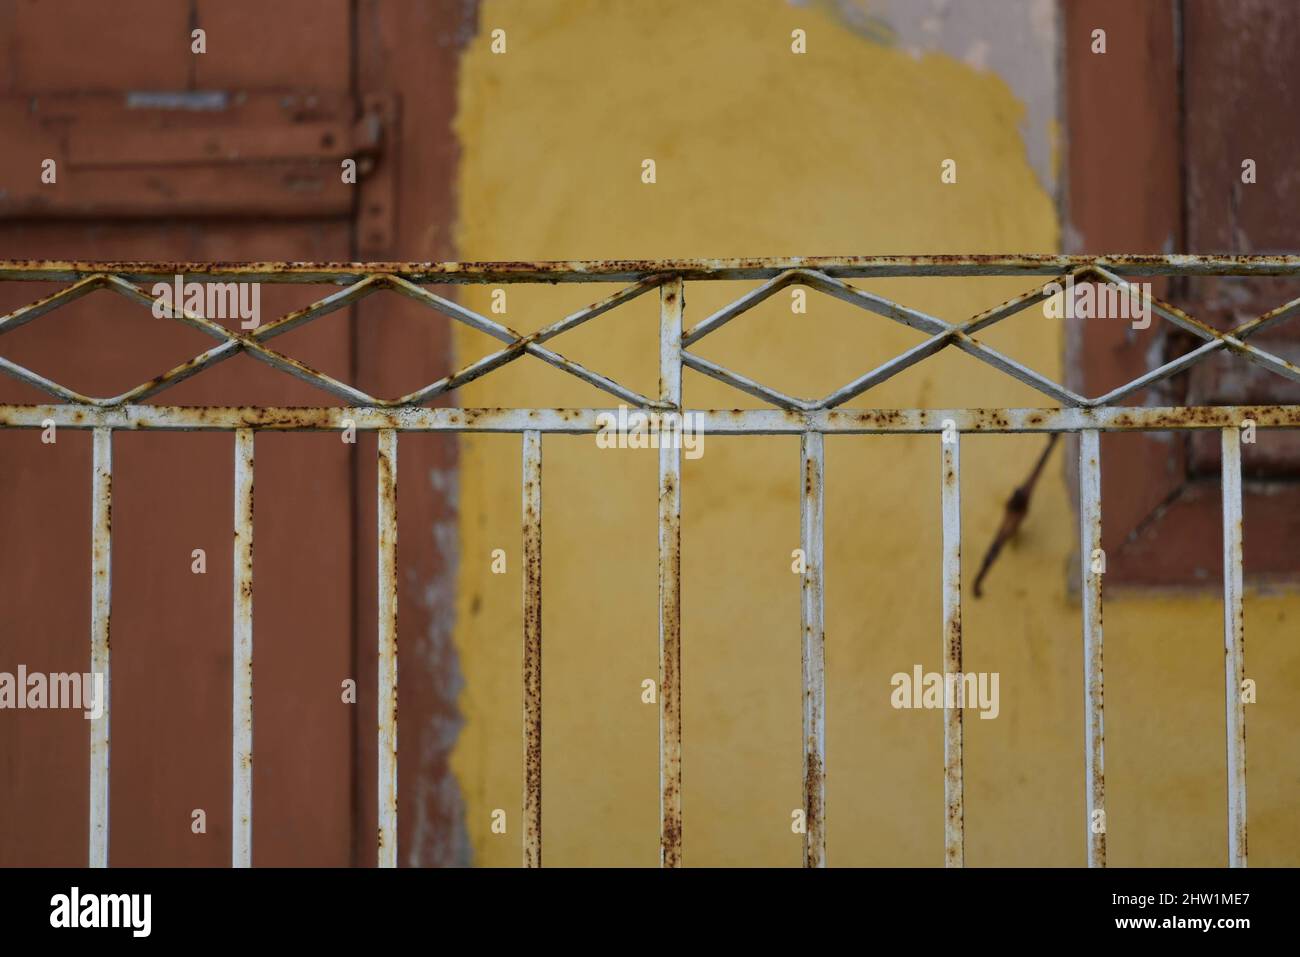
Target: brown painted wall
x,y
1158,127
314,604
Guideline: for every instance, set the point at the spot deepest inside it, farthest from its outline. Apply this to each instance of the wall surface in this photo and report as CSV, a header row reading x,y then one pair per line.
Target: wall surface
x,y
761,151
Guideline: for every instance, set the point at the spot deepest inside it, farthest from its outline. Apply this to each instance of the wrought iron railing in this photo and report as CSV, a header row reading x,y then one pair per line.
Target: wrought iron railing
x,y
811,419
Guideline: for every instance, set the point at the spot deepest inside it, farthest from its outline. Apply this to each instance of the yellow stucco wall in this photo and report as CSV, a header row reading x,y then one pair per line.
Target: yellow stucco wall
x,y
762,152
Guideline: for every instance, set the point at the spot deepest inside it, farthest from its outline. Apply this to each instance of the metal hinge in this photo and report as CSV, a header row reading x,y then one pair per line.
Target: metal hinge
x,y
191,154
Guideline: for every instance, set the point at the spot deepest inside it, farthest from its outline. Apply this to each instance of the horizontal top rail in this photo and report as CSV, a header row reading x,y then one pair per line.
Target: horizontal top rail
x,y
625,270
819,275
158,418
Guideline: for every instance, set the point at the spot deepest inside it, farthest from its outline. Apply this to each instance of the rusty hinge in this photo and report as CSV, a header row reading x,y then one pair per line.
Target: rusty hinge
x,y
374,145
197,154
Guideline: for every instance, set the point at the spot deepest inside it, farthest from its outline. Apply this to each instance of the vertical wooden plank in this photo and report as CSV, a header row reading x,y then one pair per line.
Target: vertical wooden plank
x,y
1130,199
411,53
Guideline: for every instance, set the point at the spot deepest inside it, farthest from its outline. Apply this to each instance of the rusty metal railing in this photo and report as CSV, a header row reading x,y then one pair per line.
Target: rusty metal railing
x,y
811,419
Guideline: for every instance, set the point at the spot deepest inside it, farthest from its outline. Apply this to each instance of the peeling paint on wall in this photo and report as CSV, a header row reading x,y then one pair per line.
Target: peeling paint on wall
x,y
1014,39
438,796
764,152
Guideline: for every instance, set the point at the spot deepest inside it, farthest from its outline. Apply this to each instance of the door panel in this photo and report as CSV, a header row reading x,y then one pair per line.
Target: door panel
x,y
171,628
233,154
168,174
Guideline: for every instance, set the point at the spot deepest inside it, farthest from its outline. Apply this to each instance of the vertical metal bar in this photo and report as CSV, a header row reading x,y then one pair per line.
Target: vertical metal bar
x,y
671,303
101,602
1234,646
532,533
1092,563
387,701
241,851
954,814
814,652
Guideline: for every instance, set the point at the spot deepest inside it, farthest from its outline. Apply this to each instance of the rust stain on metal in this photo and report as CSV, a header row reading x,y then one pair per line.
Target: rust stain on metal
x,y
670,665
671,305
1091,560
242,653
100,639
813,784
387,630
1234,644
951,651
691,269
813,647
787,415
532,652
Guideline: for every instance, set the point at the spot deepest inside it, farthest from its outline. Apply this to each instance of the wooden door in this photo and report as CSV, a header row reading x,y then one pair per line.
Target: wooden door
x,y
234,153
